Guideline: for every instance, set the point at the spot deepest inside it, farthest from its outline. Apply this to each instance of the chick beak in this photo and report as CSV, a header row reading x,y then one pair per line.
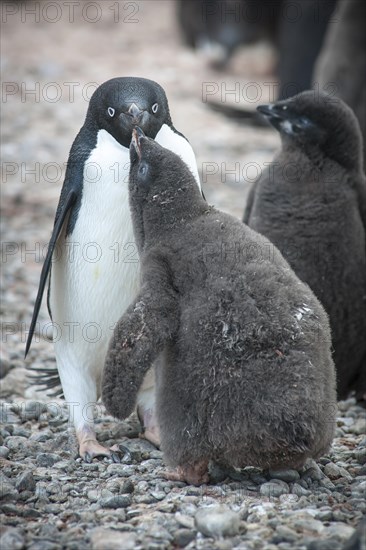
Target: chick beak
x,y
137,134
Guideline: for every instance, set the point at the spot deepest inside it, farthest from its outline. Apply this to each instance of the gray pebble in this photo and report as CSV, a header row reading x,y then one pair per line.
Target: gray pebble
x,y
285,475
47,459
182,537
184,520
313,473
7,492
4,451
284,534
217,521
310,525
16,443
26,482
121,470
360,455
103,539
274,488
12,539
358,427
32,410
299,490
334,472
127,487
340,531
117,501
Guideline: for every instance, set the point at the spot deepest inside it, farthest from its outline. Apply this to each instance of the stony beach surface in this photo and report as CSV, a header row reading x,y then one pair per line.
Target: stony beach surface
x,y
50,499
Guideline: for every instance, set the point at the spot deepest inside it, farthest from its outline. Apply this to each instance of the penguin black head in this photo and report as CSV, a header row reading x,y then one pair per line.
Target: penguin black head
x,y
120,104
316,120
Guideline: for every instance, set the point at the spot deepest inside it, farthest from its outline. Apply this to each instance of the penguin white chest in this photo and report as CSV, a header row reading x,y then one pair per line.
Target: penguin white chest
x,y
96,276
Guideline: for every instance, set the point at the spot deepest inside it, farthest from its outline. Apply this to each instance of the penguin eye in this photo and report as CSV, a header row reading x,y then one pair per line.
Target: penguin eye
x,y
142,169
111,111
155,108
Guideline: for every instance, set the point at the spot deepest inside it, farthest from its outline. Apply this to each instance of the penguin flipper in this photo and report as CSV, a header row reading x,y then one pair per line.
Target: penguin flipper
x,y
139,336
69,202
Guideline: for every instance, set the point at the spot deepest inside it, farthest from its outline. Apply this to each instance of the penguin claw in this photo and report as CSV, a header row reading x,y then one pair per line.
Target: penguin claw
x,y
87,458
91,449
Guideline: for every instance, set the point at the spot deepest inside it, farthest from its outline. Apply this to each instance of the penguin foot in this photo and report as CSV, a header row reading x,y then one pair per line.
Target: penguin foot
x,y
193,474
90,448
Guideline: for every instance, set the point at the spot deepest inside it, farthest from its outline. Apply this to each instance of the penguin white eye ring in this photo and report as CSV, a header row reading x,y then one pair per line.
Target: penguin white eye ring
x,y
155,108
111,111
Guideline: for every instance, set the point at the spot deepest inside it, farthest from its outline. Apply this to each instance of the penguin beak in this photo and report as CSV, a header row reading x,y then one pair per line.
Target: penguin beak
x,y
137,134
269,111
135,112
275,114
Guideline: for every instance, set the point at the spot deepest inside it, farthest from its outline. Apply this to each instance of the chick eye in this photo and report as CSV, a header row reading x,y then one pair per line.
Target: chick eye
x,y
111,111
155,108
142,169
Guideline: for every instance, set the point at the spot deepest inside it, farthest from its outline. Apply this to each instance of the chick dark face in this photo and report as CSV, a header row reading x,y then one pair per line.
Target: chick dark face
x,y
147,163
313,120
120,104
294,119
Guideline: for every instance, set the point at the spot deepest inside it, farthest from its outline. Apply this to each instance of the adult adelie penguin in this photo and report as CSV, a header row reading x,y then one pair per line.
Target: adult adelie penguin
x,y
246,376
311,203
95,273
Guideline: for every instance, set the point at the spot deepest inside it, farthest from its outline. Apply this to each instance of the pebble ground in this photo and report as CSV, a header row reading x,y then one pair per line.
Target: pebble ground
x,y
50,499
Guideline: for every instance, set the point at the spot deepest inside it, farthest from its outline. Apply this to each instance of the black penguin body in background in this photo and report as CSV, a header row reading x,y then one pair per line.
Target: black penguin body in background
x,y
295,27
341,66
311,203
246,375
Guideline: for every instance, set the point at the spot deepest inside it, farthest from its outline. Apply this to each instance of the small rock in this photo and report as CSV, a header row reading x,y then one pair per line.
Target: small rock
x,y
108,539
185,521
360,455
284,534
182,537
310,525
313,472
285,475
93,495
121,470
47,459
117,501
26,482
274,488
16,443
7,491
217,521
335,472
299,490
12,539
340,531
358,427
127,487
32,410
4,451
